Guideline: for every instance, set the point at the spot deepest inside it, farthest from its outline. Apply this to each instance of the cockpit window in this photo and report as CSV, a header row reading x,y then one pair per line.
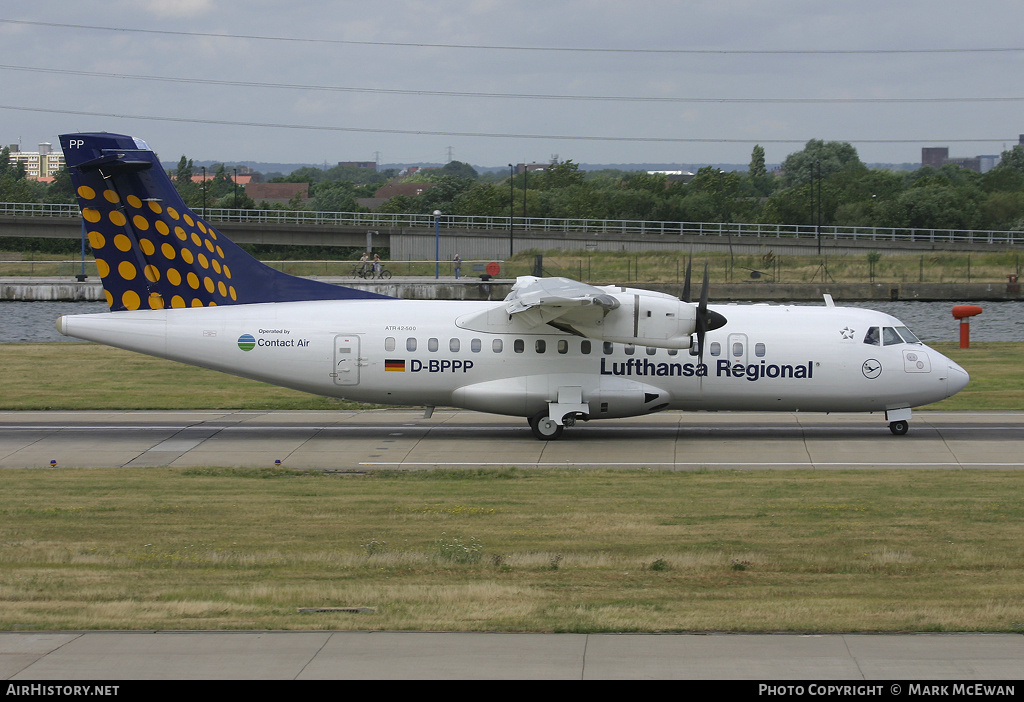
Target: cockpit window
x,y
908,336
890,337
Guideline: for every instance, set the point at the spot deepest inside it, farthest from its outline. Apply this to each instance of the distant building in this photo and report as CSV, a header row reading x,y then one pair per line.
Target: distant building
x,y
390,190
40,165
938,156
272,193
679,176
934,156
971,164
243,180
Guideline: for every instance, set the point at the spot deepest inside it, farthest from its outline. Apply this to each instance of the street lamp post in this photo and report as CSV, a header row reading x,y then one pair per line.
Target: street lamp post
x,y
511,208
526,181
437,244
817,228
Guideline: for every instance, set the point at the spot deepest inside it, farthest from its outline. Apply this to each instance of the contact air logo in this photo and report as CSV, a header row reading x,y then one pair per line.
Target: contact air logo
x,y
247,342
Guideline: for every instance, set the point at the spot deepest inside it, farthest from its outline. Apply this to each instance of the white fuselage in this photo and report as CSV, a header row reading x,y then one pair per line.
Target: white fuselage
x,y
474,355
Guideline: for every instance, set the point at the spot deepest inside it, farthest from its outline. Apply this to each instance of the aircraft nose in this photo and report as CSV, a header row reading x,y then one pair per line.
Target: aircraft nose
x,y
956,378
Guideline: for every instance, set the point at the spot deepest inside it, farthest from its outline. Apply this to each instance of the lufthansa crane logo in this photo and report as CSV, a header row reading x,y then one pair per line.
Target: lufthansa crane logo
x,y
871,369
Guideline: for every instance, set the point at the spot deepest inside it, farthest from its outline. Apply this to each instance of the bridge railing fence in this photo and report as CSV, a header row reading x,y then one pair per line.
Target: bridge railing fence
x,y
556,225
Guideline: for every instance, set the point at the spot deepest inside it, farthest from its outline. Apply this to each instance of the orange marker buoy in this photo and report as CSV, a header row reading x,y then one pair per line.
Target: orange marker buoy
x,y
964,314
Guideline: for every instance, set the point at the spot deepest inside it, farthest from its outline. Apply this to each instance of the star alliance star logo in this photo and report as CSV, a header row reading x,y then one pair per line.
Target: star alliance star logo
x,y
846,333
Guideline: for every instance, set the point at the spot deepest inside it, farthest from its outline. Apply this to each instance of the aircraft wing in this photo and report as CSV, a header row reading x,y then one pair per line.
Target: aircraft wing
x,y
610,313
542,300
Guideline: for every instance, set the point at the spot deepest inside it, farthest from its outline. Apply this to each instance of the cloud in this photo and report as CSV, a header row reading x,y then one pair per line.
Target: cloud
x,y
176,8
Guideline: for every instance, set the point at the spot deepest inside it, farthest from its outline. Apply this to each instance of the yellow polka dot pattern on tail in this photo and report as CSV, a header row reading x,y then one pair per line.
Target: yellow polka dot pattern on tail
x,y
154,256
152,250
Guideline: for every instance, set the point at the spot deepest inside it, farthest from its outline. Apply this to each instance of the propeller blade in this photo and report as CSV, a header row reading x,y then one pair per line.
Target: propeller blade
x,y
686,281
702,316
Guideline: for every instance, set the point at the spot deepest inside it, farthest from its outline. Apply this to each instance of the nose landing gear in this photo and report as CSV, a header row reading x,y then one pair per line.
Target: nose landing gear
x,y
899,427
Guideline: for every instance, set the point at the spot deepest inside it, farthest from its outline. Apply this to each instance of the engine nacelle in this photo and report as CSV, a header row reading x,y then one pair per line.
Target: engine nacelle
x,y
645,318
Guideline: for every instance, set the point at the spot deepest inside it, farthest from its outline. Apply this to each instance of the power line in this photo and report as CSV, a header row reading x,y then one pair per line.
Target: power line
x,y
518,96
490,135
309,40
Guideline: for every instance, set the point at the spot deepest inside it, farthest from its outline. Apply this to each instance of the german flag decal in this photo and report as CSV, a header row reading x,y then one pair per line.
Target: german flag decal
x,y
394,364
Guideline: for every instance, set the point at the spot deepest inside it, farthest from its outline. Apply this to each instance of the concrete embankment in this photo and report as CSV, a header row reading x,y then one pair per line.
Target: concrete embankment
x,y
53,289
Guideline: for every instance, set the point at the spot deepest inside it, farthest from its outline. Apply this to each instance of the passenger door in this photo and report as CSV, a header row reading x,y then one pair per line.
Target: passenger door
x,y
346,359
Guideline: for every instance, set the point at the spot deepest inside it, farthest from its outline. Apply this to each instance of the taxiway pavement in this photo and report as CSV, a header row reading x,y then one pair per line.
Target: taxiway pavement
x,y
402,439
262,655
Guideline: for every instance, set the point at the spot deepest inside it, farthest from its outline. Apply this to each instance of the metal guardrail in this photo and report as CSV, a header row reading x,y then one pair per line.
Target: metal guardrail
x,y
376,221
66,268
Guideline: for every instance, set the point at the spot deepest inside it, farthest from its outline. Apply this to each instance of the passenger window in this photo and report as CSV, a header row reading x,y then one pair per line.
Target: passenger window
x,y
585,346
475,345
389,343
496,346
651,350
410,344
673,352
518,346
431,344
716,348
563,346
607,347
541,346
890,337
759,350
737,348
454,345
872,336
630,349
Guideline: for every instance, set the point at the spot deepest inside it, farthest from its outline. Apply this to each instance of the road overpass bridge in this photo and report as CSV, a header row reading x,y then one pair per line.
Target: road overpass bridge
x,y
418,237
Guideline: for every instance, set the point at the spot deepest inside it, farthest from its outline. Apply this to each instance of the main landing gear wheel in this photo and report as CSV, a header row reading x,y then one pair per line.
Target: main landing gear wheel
x,y
544,427
899,427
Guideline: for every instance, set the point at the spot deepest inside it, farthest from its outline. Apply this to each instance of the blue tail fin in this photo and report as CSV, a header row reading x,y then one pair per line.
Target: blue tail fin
x,y
154,252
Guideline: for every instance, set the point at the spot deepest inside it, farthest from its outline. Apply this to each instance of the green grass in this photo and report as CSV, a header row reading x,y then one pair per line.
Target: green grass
x,y
997,376
773,264
78,376
82,376
513,550
664,266
501,550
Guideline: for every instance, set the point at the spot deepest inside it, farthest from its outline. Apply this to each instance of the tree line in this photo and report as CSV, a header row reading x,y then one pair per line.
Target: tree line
x,y
825,182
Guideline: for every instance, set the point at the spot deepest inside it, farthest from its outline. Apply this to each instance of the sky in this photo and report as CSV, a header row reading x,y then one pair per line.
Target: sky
x,y
493,82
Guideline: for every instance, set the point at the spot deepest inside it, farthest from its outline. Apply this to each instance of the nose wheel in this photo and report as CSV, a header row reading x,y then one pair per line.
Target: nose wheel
x,y
899,427
544,427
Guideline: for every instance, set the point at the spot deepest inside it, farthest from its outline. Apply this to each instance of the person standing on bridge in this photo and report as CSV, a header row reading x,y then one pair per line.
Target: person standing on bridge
x,y
458,266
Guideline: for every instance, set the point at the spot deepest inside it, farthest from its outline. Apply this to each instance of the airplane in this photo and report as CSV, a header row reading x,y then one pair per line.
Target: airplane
x,y
555,351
